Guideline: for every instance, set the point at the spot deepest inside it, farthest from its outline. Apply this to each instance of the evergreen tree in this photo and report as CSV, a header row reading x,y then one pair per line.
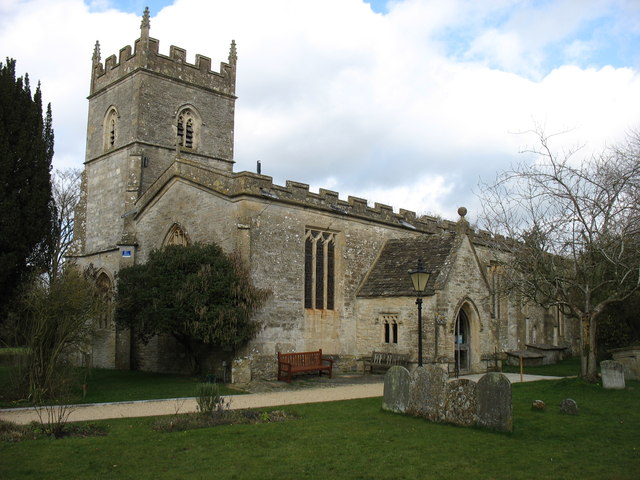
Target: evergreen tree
x,y
199,295
26,203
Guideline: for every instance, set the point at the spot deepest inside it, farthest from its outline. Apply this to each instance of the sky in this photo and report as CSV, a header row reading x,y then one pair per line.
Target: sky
x,y
408,103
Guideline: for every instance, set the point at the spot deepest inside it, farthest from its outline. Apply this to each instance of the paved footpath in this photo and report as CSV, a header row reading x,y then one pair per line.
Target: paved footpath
x,y
148,408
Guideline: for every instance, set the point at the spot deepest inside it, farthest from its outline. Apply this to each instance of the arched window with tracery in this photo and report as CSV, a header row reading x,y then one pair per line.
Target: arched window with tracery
x,y
187,128
105,289
176,236
110,128
319,270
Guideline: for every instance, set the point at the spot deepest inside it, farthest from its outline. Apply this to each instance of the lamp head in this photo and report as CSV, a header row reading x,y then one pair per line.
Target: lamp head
x,y
419,277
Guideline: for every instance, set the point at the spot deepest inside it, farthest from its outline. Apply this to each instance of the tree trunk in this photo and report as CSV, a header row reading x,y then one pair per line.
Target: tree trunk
x,y
589,367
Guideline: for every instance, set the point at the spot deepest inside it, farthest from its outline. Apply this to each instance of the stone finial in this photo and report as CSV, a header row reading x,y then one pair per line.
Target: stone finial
x,y
463,225
96,53
145,25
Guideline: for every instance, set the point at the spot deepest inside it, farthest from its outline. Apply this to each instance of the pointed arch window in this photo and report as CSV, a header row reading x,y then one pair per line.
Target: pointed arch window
x,y
187,128
462,342
110,128
319,270
104,286
176,236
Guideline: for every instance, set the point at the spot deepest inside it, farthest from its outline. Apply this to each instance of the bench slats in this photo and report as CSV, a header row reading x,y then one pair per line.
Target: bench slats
x,y
290,363
386,360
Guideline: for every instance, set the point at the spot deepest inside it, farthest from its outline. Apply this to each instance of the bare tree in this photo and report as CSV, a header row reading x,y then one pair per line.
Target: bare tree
x,y
66,193
572,231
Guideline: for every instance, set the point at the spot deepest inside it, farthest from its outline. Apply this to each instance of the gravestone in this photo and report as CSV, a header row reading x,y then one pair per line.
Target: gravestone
x,y
612,374
494,402
397,382
569,406
428,393
461,406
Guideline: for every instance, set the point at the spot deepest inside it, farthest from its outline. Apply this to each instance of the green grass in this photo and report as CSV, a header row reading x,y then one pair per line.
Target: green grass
x,y
357,440
13,351
565,368
121,386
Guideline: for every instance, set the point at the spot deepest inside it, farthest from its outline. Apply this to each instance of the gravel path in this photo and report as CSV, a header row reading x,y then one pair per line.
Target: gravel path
x,y
269,394
151,408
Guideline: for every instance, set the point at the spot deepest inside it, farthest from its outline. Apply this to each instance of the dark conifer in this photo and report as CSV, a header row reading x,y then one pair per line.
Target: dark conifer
x,y
26,203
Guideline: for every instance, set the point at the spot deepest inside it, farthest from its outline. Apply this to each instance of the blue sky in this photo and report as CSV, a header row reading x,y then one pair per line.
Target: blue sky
x,y
407,103
156,5
588,38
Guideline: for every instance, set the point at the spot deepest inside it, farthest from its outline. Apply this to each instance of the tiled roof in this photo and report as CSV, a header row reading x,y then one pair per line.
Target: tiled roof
x,y
389,276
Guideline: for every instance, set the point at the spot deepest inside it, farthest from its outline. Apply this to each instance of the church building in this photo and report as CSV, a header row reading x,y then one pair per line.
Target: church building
x,y
159,171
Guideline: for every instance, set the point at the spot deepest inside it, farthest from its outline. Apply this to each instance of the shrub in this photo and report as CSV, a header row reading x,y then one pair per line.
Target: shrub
x,y
209,400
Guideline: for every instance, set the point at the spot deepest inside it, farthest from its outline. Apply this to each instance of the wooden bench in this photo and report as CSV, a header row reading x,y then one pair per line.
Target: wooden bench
x,y
384,361
292,363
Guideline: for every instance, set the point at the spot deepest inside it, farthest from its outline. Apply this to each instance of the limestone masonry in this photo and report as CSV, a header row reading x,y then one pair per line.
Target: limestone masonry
x,y
159,171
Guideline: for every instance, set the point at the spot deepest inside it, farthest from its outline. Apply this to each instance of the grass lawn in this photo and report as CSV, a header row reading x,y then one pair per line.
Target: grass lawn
x,y
356,440
122,385
569,367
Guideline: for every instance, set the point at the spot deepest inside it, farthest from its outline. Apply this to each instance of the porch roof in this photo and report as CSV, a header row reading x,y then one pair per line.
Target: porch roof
x,y
389,276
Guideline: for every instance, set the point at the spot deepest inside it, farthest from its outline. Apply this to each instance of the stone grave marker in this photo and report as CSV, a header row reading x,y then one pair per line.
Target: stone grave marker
x,y
612,374
428,393
494,402
397,382
569,406
461,407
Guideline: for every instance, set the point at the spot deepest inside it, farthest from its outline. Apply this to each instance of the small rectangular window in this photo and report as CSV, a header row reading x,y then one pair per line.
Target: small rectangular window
x,y
390,328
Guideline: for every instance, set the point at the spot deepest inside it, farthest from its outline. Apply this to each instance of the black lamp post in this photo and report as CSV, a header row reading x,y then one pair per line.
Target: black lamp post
x,y
419,278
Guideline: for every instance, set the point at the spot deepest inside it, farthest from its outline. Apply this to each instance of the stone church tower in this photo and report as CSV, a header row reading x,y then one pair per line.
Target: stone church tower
x,y
146,109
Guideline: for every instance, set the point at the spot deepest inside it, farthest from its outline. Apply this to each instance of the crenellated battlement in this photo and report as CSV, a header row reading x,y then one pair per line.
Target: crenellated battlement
x,y
292,193
146,56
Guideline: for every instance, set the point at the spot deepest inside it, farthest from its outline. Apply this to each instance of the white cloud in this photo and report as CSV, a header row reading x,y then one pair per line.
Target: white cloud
x,y
408,108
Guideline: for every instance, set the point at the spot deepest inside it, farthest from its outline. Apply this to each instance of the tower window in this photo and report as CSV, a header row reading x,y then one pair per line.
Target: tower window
x,y
188,139
112,132
319,270
110,128
186,129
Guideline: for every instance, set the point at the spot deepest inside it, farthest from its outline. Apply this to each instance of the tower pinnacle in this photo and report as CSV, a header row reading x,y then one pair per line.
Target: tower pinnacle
x,y
146,24
233,54
96,53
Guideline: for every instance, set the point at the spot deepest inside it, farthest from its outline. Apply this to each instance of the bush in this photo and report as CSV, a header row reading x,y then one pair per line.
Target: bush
x,y
56,325
192,421
209,400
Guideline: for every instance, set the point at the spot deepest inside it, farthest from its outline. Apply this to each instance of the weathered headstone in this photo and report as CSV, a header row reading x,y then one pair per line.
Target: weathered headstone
x,y
612,374
569,406
461,407
494,402
428,393
397,382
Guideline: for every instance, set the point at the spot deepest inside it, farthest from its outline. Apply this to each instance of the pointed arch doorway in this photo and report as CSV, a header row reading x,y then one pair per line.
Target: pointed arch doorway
x,y
462,343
